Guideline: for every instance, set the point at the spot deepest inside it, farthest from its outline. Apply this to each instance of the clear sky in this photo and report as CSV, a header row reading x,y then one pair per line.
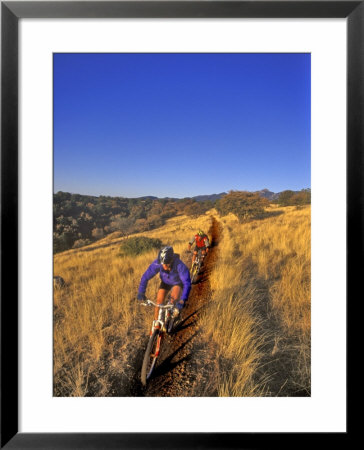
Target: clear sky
x,y
180,125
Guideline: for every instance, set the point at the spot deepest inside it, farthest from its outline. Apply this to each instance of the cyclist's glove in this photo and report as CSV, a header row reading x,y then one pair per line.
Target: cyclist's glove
x,y
141,297
180,305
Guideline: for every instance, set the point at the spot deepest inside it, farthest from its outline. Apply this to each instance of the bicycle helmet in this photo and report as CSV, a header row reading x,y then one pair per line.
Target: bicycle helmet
x,y
200,233
165,256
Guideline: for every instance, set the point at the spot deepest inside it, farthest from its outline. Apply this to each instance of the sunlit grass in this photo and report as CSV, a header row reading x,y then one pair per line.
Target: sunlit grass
x,y
261,287
258,316
98,306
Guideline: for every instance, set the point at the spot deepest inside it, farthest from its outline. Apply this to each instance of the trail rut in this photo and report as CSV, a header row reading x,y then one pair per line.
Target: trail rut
x,y
176,373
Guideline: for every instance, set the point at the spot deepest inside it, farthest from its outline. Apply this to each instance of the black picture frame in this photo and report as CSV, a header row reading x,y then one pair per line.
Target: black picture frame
x,y
11,12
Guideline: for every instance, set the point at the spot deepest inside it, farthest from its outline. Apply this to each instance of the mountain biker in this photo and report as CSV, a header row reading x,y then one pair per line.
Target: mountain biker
x,y
202,243
174,275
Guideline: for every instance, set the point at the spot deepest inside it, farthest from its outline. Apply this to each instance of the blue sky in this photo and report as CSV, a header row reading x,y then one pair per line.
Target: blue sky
x,y
180,125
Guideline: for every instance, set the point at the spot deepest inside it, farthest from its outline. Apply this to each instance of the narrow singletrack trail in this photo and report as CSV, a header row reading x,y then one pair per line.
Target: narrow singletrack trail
x,y
176,372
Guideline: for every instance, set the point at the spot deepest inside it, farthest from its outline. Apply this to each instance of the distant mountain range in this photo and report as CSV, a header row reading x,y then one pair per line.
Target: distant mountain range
x,y
203,198
211,197
264,193
268,194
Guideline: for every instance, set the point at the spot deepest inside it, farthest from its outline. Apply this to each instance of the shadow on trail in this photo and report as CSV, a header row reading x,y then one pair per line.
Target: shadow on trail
x,y
214,242
183,324
167,365
192,314
201,278
181,327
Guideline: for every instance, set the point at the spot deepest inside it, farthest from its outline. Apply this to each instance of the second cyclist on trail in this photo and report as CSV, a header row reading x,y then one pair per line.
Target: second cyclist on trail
x,y
174,275
202,243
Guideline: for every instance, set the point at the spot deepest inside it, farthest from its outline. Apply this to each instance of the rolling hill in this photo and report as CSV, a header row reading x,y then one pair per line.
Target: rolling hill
x,y
257,278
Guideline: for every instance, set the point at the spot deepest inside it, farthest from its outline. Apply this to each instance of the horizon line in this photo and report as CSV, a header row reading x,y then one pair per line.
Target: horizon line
x,y
180,198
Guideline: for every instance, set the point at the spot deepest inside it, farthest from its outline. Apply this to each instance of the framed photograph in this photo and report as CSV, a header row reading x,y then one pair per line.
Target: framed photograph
x,y
183,139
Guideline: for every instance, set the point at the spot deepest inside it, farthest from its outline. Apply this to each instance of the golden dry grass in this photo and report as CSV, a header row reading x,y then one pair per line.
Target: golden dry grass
x,y
97,321
256,326
261,299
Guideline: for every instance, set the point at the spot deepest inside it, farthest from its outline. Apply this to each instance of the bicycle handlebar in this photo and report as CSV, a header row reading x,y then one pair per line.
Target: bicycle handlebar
x,y
150,303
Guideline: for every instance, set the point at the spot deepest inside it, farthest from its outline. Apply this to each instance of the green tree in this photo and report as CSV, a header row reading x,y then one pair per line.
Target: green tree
x,y
123,224
154,221
63,242
195,209
98,233
245,205
285,198
291,198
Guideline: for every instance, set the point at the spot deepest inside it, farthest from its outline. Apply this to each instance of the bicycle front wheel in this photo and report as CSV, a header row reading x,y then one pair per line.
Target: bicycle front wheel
x,y
194,273
151,355
170,324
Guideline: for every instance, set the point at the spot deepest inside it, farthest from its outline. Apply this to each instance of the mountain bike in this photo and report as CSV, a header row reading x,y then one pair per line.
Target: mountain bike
x,y
164,324
196,266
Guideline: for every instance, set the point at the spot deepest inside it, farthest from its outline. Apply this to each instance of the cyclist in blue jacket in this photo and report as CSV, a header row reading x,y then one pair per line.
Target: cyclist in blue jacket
x,y
174,275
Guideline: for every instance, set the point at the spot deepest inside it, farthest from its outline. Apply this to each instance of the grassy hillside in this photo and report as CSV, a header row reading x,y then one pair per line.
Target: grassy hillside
x,y
255,334
261,287
98,323
79,220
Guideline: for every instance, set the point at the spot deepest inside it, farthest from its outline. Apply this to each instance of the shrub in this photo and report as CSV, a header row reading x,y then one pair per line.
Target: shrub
x,y
81,243
291,198
139,245
245,205
63,241
98,233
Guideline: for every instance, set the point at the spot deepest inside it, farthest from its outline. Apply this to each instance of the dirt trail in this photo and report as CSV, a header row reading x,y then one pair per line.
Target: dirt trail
x,y
176,372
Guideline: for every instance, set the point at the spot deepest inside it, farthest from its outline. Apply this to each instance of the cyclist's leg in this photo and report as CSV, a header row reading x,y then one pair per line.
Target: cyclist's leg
x,y
175,296
176,293
203,254
161,295
194,255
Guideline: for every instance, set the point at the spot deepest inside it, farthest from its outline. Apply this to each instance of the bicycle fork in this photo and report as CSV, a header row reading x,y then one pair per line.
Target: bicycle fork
x,y
159,324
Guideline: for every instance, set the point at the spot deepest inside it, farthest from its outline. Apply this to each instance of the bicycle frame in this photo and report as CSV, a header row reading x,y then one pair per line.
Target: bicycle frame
x,y
159,328
162,314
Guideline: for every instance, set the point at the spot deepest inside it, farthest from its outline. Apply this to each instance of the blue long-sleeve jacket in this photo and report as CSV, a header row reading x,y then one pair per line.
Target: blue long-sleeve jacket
x,y
179,273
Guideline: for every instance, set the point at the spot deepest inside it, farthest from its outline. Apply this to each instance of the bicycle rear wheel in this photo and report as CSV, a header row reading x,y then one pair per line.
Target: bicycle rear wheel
x,y
151,355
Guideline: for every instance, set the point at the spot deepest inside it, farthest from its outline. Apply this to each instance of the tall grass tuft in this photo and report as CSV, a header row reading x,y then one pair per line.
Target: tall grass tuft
x,y
231,324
